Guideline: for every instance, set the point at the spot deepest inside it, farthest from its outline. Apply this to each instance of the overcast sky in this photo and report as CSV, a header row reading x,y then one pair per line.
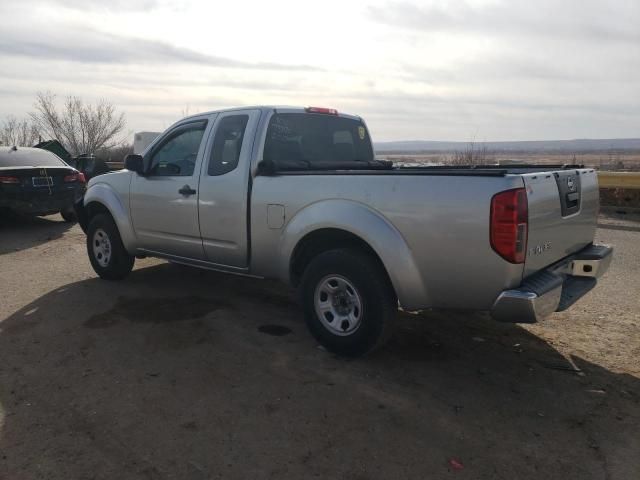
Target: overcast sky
x,y
416,70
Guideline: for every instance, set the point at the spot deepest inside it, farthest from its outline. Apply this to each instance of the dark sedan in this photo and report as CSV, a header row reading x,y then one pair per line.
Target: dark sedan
x,y
38,182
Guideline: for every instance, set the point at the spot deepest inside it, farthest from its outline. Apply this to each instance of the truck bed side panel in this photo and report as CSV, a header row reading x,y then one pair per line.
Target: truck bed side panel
x,y
444,221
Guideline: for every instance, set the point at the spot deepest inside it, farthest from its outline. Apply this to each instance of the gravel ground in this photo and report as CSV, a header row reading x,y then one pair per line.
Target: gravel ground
x,y
176,373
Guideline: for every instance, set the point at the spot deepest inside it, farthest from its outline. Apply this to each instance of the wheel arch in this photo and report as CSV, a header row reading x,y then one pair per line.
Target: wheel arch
x,y
95,207
101,198
322,240
346,224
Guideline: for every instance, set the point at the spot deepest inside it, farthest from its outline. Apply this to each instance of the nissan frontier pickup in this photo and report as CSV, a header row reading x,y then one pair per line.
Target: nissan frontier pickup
x,y
296,194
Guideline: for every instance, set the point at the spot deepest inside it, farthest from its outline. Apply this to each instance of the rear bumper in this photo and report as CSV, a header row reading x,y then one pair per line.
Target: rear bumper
x,y
42,201
39,206
555,288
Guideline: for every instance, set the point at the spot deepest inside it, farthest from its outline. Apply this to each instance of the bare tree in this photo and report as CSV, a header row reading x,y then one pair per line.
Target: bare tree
x,y
472,155
79,126
21,133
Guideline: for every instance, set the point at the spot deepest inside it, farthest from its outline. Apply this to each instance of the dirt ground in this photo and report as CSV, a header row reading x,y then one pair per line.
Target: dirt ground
x,y
176,373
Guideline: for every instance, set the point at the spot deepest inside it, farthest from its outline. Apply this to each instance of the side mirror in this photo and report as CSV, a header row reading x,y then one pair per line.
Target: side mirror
x,y
135,163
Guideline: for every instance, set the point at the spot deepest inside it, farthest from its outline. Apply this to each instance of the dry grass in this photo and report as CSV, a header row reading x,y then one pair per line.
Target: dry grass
x,y
619,197
601,160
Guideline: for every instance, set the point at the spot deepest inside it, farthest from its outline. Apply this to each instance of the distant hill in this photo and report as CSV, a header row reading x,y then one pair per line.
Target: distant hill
x,y
571,146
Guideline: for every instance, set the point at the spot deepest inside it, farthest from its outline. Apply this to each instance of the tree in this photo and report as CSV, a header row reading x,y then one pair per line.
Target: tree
x,y
472,155
79,126
21,133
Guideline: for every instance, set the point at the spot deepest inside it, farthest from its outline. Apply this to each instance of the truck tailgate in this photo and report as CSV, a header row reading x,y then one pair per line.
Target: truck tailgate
x,y
563,209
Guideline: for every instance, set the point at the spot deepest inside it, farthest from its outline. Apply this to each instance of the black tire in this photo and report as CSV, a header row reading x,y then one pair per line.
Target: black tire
x,y
69,215
373,289
118,263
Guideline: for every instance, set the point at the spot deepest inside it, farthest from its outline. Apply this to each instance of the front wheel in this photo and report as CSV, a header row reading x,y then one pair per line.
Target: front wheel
x,y
349,304
107,254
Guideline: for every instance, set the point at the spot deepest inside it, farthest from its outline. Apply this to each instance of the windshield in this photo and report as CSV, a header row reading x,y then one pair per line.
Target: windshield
x,y
29,157
307,140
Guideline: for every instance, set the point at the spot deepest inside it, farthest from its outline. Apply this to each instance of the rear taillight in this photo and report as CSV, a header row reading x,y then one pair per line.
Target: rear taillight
x,y
509,224
325,111
9,180
75,177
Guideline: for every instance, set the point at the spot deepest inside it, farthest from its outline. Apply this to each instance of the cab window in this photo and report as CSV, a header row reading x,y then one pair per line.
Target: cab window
x,y
227,144
177,154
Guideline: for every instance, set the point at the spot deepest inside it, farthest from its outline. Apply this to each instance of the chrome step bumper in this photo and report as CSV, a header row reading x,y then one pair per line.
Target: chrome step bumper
x,y
555,288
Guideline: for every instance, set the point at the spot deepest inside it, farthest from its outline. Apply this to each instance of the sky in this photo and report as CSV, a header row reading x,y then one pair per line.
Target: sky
x,y
414,70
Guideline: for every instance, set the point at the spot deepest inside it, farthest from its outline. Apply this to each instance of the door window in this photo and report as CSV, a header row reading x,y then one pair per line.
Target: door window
x,y
177,154
227,144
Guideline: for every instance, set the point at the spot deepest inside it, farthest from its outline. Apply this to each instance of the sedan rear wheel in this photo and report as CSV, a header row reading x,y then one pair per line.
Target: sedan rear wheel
x,y
69,215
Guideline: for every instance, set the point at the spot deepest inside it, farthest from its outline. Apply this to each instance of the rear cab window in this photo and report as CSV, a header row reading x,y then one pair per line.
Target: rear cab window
x,y
310,141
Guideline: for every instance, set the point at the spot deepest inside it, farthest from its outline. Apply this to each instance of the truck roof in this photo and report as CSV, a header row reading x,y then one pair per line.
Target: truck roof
x,y
275,108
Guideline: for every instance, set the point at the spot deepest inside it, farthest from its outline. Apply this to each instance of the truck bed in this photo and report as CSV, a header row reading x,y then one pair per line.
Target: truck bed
x,y
446,170
443,215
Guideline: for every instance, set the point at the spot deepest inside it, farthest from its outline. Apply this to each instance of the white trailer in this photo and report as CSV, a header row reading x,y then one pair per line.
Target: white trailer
x,y
141,141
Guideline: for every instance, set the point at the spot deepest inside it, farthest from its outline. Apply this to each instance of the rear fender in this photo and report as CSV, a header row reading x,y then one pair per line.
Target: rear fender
x,y
370,226
107,197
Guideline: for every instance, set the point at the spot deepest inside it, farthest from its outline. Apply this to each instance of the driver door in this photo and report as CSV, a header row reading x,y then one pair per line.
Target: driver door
x,y
164,202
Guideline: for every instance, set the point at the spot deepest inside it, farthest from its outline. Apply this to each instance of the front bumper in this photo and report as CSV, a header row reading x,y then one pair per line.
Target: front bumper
x,y
81,214
555,288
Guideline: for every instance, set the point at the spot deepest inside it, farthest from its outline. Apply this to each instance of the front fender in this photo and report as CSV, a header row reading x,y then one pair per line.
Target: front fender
x,y
105,195
369,225
81,214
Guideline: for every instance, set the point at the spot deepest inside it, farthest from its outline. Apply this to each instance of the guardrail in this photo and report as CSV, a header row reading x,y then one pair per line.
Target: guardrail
x,y
619,180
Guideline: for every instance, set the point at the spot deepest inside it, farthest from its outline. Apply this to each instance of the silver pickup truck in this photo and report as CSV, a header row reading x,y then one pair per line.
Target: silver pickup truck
x,y
296,194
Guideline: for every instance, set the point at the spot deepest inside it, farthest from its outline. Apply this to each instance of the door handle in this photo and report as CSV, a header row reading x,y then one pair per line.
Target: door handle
x,y
186,190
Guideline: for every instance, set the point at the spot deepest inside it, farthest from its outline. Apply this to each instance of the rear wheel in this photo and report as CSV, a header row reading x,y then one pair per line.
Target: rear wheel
x,y
349,304
107,254
69,215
